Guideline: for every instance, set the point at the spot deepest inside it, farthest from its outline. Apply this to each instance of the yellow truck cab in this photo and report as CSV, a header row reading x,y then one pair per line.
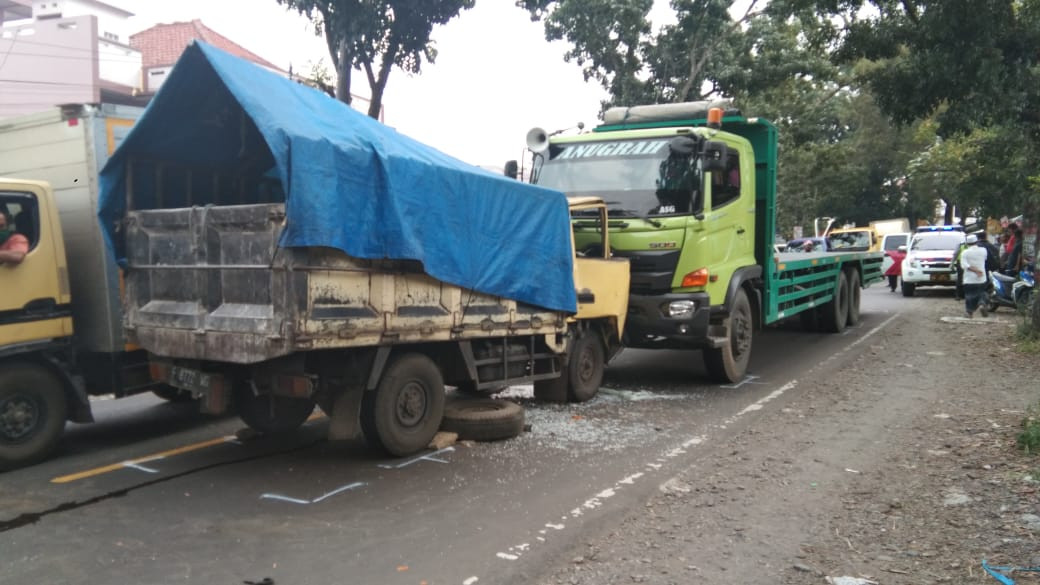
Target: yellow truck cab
x,y
35,327
853,239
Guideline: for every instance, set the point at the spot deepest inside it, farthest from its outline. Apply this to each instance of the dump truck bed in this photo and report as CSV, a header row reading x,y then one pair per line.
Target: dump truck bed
x,y
212,283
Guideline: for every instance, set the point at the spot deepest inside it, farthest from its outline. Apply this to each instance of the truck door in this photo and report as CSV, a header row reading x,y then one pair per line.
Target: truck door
x,y
730,220
35,300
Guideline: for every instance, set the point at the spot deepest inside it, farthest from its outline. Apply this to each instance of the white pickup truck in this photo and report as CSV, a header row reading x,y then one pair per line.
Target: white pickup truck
x,y
929,257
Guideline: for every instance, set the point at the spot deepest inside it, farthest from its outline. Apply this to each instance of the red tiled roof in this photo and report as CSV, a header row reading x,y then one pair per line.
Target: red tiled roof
x,y
163,44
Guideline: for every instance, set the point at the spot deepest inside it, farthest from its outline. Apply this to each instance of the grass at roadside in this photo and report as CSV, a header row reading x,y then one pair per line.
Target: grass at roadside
x,y
1029,438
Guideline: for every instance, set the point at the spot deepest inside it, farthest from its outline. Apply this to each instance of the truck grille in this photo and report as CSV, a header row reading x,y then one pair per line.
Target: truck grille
x,y
652,271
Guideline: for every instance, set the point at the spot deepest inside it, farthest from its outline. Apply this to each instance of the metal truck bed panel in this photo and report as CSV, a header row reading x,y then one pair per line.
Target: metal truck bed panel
x,y
212,283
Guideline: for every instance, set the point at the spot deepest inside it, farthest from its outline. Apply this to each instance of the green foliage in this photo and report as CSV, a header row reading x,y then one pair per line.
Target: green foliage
x,y
374,36
1029,438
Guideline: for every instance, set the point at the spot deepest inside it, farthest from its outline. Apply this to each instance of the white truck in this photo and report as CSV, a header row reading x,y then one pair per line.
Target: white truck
x,y
64,147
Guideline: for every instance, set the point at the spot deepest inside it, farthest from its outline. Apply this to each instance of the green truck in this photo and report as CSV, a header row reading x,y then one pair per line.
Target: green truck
x,y
691,189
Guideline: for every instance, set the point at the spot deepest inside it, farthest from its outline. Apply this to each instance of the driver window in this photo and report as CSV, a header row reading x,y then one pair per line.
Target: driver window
x,y
725,185
22,217
677,185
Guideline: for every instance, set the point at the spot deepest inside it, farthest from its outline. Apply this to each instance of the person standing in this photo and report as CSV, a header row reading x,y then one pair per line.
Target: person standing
x,y
958,290
973,268
896,269
1013,262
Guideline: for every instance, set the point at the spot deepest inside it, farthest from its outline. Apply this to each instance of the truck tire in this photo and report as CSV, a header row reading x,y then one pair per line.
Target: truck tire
x,y
581,380
585,368
908,289
403,413
270,414
483,419
32,414
835,313
171,394
728,364
854,297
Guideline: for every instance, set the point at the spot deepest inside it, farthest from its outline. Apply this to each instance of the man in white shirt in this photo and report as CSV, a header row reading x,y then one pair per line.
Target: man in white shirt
x,y
973,265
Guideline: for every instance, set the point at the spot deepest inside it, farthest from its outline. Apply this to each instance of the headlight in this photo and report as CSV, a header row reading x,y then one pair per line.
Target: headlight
x,y
679,309
915,264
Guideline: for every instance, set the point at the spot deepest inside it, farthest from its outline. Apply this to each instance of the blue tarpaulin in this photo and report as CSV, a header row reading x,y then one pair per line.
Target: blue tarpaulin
x,y
348,181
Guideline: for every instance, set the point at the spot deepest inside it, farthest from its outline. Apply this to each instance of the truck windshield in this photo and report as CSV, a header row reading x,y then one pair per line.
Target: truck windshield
x,y
849,241
637,178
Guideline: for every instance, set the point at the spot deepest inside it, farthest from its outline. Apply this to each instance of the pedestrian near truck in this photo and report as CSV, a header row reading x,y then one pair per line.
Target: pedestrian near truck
x,y
896,269
973,267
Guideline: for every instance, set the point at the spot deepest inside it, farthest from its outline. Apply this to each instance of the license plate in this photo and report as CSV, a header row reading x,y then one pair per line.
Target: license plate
x,y
941,277
194,380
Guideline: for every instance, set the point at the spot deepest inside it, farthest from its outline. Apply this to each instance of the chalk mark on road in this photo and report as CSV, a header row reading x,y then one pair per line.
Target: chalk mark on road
x,y
426,457
334,492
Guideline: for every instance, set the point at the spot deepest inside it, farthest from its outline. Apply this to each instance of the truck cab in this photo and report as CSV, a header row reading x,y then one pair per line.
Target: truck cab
x,y
35,328
687,199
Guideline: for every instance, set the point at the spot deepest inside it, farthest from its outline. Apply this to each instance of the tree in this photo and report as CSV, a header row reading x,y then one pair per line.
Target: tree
x,y
374,36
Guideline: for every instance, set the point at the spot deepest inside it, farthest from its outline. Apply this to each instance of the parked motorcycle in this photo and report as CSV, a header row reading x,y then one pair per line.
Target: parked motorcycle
x,y
1011,292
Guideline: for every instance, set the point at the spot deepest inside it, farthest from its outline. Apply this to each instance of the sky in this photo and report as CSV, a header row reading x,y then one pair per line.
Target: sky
x,y
495,76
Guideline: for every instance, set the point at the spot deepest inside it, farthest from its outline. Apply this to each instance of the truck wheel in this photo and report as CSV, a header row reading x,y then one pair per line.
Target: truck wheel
x,y
854,296
32,414
908,289
171,394
728,364
271,414
835,313
585,369
483,419
404,412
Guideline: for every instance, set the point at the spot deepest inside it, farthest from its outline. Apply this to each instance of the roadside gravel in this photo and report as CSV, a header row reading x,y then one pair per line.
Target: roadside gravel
x,y
896,466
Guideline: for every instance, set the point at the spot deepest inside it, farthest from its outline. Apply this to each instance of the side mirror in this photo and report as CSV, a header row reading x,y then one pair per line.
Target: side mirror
x,y
714,155
682,145
512,169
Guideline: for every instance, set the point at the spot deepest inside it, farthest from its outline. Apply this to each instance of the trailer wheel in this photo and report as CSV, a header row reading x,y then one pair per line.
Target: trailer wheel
x,y
404,412
835,313
854,297
728,363
908,289
271,414
32,414
172,394
483,419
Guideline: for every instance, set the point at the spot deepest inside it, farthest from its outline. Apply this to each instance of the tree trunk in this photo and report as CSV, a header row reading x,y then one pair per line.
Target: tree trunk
x,y
343,71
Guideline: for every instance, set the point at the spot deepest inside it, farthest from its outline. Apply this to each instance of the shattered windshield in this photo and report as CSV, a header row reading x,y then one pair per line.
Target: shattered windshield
x,y
637,178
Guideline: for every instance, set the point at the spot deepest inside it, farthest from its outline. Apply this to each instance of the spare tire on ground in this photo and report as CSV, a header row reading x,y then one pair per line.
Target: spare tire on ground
x,y
483,419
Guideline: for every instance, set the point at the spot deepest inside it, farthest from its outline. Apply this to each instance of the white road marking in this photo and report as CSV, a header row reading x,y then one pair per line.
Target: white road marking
x,y
132,465
656,465
320,498
747,380
426,457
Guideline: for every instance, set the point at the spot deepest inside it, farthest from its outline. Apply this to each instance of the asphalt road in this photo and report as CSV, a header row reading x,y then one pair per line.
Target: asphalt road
x,y
156,493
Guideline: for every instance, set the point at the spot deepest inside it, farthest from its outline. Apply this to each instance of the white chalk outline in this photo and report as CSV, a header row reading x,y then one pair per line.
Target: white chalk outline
x,y
334,492
426,457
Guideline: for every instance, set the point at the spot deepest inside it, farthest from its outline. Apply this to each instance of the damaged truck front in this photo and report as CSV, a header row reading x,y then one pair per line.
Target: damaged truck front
x,y
280,257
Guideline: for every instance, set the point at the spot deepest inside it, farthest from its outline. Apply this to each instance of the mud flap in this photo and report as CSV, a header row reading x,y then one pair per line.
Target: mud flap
x,y
344,421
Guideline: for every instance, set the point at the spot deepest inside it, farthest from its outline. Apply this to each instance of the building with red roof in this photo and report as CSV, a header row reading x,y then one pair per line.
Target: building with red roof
x,y
162,44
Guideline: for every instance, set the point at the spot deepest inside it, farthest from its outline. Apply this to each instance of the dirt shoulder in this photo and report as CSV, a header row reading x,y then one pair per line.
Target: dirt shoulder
x,y
902,470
